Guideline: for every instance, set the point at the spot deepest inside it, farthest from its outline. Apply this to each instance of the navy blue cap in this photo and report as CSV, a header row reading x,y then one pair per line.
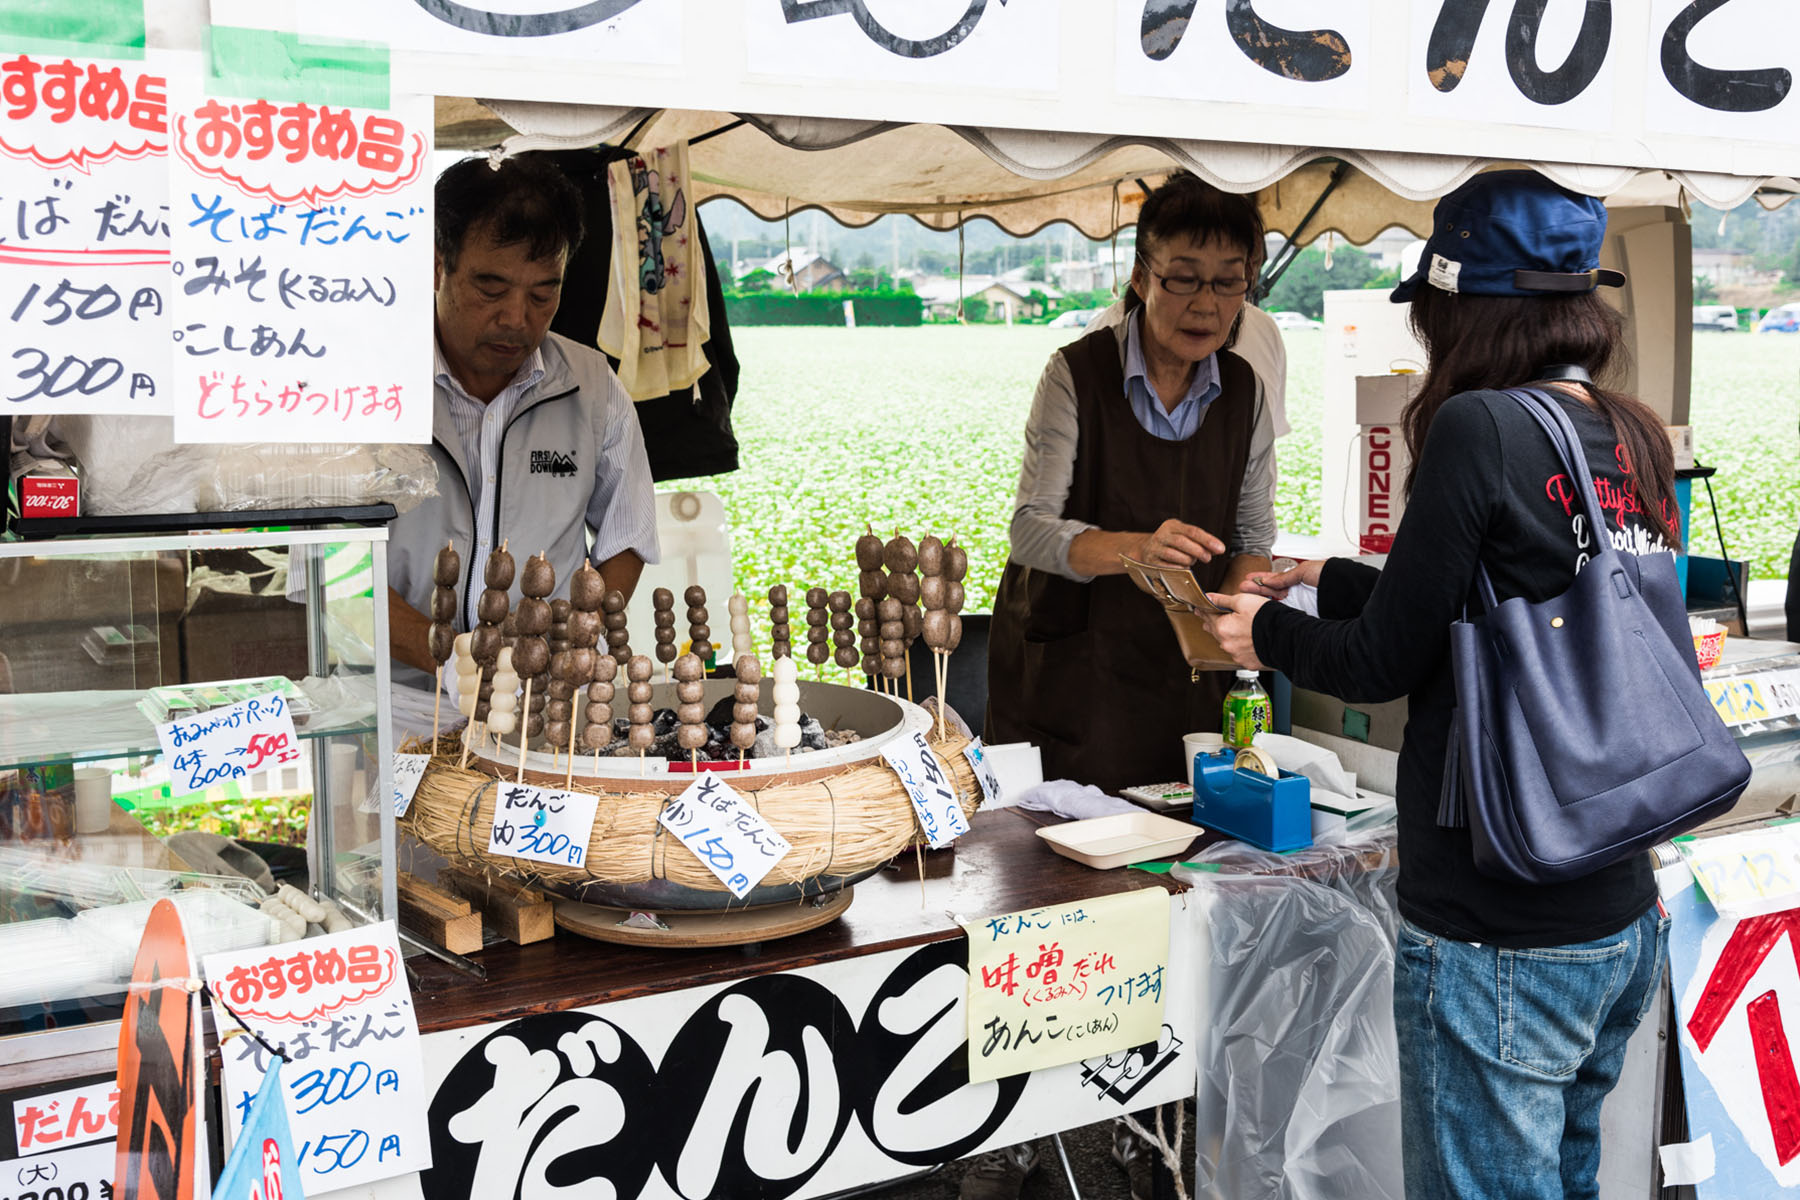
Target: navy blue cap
x,y
1513,233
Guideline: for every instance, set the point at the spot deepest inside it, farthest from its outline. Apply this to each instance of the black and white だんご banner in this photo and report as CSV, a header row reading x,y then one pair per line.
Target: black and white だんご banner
x,y
794,1084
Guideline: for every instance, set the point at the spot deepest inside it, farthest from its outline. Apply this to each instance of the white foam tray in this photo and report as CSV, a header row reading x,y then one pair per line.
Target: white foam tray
x,y
1121,839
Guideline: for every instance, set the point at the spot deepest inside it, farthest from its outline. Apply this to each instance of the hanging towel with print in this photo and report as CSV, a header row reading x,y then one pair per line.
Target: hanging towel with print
x,y
655,321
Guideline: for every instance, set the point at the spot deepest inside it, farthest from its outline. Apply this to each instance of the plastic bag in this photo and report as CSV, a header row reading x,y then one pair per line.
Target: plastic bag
x,y
132,465
1299,1087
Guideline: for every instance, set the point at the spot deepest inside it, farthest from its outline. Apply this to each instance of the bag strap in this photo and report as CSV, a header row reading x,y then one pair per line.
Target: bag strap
x,y
1567,444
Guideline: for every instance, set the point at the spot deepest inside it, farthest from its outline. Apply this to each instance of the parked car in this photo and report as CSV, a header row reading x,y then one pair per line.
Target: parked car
x,y
1716,316
1075,318
1294,320
1785,319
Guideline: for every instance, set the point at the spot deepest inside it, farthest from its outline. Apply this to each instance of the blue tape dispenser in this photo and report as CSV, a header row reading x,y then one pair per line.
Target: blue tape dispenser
x,y
1244,794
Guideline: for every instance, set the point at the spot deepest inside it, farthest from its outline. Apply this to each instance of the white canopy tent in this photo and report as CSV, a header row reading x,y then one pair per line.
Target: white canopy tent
x,y
1023,180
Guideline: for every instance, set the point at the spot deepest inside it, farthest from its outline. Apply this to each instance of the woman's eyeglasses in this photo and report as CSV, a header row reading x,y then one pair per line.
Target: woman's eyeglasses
x,y
1188,285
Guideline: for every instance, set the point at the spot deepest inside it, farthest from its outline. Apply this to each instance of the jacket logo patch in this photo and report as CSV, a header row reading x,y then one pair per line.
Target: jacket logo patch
x,y
549,462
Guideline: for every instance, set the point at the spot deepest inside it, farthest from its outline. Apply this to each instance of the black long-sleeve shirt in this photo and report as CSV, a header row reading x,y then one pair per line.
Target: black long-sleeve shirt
x,y
1488,486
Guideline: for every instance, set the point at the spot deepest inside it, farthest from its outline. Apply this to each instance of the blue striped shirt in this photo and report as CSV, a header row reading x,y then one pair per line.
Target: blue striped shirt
x,y
1171,425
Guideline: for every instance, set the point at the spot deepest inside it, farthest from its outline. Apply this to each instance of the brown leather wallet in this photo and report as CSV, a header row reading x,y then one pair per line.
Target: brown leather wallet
x,y
1175,588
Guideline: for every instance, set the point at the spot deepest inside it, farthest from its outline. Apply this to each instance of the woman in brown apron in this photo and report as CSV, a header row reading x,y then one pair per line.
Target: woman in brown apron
x,y
1152,440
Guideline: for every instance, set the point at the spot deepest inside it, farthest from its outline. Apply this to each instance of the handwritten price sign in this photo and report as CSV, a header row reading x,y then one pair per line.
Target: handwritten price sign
x,y
301,252
228,743
1067,983
976,753
355,1090
728,836
84,240
542,825
408,770
933,794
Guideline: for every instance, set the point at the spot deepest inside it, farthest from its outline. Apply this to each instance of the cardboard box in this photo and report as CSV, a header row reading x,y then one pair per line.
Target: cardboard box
x,y
49,496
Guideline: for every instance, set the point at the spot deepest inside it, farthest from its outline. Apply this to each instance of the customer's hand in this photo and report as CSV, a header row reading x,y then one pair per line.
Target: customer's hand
x,y
1178,544
1276,584
1232,629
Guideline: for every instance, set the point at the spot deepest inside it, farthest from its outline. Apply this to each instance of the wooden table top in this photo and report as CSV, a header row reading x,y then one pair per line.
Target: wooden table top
x,y
1000,866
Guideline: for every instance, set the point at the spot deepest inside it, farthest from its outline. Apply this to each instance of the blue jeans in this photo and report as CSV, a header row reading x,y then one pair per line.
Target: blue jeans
x,y
1505,1056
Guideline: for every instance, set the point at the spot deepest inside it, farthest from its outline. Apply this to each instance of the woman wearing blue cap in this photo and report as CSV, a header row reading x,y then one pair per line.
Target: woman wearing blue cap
x,y
1513,1002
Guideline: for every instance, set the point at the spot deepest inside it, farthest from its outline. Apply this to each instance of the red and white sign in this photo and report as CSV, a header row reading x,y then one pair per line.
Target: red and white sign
x,y
1381,470
1734,1022
302,153
49,496
64,112
302,981
61,1120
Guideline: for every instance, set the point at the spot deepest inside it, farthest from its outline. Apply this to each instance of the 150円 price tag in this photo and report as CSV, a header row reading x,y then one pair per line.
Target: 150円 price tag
x,y
730,838
932,792
226,744
543,825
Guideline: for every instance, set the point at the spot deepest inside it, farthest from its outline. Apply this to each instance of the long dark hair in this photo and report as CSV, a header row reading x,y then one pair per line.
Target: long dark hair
x,y
1474,342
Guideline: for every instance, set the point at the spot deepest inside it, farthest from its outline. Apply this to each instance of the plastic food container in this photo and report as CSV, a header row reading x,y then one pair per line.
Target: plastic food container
x,y
1121,839
67,962
213,921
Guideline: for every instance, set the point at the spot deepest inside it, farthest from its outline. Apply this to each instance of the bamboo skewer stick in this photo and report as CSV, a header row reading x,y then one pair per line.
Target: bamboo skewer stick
x,y
524,720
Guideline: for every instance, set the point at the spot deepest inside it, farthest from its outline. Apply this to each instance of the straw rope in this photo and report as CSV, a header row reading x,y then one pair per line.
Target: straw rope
x,y
845,823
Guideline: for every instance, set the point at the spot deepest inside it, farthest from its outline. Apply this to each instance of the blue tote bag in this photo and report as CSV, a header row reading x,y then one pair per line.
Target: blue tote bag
x,y
1581,734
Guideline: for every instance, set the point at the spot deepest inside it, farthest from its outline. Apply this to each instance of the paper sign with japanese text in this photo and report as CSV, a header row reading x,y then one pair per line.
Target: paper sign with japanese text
x,y
929,786
1751,699
223,744
355,1085
82,1171
728,836
61,1120
1066,984
300,301
408,770
61,1135
542,825
1747,874
976,753
84,236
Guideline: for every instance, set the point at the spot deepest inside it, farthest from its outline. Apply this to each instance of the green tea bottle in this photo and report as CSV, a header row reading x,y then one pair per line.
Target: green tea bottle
x,y
1247,711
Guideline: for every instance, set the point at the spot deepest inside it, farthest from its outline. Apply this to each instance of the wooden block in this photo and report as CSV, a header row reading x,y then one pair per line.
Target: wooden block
x,y
428,896
518,913
438,917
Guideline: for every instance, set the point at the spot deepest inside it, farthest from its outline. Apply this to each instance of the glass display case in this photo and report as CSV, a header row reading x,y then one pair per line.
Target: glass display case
x,y
102,638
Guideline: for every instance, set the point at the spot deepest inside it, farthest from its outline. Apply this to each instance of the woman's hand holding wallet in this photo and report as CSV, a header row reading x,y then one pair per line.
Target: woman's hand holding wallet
x,y
1232,628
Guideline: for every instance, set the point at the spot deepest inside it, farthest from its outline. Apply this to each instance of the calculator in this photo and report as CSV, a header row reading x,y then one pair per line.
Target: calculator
x,y
1160,795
